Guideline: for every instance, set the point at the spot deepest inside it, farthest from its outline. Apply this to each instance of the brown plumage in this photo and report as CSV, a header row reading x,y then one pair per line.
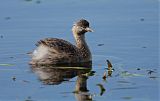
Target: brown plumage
x,y
59,45
59,51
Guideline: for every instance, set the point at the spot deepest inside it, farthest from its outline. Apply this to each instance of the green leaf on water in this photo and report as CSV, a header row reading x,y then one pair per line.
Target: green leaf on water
x,y
90,73
102,89
3,64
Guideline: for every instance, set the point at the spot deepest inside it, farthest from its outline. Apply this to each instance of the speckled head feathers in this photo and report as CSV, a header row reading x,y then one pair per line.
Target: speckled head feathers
x,y
82,23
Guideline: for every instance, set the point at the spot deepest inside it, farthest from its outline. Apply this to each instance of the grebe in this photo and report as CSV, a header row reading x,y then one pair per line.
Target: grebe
x,y
58,51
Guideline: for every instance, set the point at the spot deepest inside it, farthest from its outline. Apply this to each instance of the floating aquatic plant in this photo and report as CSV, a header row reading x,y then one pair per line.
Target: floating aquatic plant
x,y
29,98
110,69
100,44
104,75
109,64
14,78
102,89
150,71
90,73
3,64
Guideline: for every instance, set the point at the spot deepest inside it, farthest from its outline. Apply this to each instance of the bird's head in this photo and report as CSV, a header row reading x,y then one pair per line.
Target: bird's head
x,y
81,27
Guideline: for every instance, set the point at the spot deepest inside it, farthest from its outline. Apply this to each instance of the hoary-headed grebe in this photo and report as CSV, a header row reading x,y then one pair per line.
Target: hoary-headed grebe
x,y
59,51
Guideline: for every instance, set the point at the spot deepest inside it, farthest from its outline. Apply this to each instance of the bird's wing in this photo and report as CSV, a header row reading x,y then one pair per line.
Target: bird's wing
x,y
60,45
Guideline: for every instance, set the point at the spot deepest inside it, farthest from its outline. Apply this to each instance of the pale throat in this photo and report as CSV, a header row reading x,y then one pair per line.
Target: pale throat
x,y
81,43
79,37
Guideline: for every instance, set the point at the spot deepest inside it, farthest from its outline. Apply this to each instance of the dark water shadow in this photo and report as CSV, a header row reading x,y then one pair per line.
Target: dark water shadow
x,y
55,75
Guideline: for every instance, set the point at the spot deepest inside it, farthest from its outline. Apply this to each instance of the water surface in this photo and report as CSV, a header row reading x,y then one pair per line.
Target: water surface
x,y
125,32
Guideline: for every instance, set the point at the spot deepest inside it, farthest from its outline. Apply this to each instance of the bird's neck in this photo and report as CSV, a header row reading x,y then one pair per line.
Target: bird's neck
x,y
82,46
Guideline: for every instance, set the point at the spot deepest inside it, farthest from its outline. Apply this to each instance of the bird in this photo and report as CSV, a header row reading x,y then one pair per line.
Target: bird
x,y
59,51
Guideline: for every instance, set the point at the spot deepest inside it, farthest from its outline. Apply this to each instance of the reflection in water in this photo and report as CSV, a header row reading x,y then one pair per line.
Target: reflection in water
x,y
81,91
54,75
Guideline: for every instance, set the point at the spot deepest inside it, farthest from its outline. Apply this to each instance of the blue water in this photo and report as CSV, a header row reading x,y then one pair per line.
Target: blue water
x,y
127,28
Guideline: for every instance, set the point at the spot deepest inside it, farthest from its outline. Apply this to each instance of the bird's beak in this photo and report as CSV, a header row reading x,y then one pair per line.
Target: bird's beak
x,y
88,29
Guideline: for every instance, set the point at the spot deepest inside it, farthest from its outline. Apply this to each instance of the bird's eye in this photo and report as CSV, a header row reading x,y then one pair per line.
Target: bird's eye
x,y
82,28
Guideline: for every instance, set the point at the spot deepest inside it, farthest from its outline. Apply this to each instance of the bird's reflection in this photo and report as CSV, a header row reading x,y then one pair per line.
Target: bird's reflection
x,y
81,91
55,75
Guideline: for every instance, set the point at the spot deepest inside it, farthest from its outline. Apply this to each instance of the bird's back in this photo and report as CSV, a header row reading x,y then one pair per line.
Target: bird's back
x,y
55,51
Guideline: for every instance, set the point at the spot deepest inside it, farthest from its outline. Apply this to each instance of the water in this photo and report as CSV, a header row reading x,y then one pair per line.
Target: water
x,y
126,29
